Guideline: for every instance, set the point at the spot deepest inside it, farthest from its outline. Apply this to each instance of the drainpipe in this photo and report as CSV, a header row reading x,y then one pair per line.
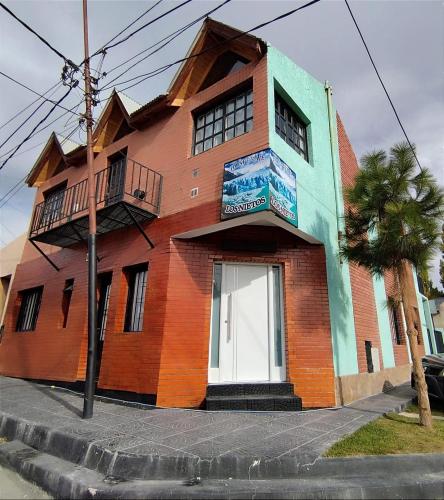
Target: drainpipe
x,y
328,92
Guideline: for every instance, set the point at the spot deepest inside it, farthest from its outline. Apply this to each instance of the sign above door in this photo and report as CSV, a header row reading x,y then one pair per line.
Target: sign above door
x,y
260,181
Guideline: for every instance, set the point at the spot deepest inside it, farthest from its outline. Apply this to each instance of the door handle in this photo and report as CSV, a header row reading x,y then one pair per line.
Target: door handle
x,y
229,313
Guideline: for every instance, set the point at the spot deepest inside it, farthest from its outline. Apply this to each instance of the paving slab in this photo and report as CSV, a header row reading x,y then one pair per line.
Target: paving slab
x,y
145,442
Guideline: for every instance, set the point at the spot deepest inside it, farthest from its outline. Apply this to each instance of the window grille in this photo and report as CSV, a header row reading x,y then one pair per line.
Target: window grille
x,y
223,122
137,278
29,309
53,205
290,127
395,326
66,300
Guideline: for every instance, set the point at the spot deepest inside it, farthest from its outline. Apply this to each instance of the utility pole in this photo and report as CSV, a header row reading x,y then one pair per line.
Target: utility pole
x,y
92,253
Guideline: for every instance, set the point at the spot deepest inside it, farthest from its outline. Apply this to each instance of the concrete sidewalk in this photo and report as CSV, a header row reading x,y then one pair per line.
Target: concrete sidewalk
x,y
150,443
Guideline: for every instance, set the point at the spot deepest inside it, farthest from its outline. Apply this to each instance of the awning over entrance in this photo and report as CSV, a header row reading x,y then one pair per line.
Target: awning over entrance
x,y
265,218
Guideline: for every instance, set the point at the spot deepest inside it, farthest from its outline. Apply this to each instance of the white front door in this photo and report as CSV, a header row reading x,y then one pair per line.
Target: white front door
x,y
246,338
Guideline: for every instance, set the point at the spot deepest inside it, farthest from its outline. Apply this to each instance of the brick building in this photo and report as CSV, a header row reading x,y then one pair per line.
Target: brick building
x,y
219,210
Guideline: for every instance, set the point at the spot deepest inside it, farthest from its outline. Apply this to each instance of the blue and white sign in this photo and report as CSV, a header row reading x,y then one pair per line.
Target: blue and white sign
x,y
260,181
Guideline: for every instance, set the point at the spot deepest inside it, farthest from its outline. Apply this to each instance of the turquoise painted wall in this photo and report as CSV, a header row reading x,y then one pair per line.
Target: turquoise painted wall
x,y
316,193
385,333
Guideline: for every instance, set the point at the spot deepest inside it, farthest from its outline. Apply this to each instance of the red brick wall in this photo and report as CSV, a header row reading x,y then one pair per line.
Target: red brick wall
x,y
364,306
51,352
184,360
170,356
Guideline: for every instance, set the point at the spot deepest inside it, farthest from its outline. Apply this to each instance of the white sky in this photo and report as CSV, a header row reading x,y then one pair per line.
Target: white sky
x,y
406,39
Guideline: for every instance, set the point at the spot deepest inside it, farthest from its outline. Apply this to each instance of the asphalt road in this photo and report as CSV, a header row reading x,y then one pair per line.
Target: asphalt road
x,y
13,487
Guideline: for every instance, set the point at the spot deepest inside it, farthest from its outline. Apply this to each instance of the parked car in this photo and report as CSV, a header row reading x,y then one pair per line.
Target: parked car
x,y
434,373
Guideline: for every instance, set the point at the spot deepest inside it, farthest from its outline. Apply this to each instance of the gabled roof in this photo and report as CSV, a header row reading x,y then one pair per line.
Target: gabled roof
x,y
114,115
212,40
121,113
54,153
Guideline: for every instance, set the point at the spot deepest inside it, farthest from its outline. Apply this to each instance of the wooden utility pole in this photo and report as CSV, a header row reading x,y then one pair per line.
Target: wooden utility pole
x,y
92,253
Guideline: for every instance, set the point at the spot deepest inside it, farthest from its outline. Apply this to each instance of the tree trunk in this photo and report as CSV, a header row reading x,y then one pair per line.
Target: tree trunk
x,y
425,415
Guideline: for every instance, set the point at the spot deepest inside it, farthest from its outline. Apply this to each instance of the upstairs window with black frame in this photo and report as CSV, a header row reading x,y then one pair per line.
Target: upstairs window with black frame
x,y
223,122
137,279
29,309
290,127
53,207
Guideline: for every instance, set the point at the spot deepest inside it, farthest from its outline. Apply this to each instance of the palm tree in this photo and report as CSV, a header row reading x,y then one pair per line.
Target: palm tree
x,y
393,221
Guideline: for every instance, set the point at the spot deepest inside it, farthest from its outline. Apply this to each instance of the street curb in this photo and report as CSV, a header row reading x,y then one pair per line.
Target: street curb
x,y
63,480
79,450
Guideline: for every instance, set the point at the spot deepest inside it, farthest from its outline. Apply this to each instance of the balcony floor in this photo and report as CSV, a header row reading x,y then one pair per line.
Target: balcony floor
x,y
109,218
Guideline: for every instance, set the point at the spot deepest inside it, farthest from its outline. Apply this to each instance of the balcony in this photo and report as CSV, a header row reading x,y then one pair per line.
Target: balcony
x,y
127,193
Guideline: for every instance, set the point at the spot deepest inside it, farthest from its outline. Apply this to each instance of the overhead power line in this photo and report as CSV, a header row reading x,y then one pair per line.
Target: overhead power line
x,y
51,47
169,38
382,84
129,26
9,120
164,68
41,96
20,184
43,128
33,113
107,47
35,128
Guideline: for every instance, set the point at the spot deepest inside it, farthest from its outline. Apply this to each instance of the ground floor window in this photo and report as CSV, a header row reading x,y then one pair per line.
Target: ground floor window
x,y
137,279
395,325
29,309
66,300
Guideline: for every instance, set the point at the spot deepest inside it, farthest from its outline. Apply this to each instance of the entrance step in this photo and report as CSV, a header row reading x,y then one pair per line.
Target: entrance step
x,y
253,397
279,388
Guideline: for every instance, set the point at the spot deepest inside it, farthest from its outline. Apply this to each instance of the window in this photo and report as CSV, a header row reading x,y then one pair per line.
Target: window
x,y
226,64
29,309
115,182
136,276
52,209
66,300
394,325
368,356
291,128
223,122
417,323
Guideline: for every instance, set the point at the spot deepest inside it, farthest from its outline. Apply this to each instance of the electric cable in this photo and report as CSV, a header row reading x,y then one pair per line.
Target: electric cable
x,y
36,126
9,11
43,128
107,47
169,38
164,68
127,27
9,120
22,124
383,86
41,96
20,184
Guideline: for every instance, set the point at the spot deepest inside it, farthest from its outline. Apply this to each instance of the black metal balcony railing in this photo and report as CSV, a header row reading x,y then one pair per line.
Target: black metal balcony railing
x,y
62,219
